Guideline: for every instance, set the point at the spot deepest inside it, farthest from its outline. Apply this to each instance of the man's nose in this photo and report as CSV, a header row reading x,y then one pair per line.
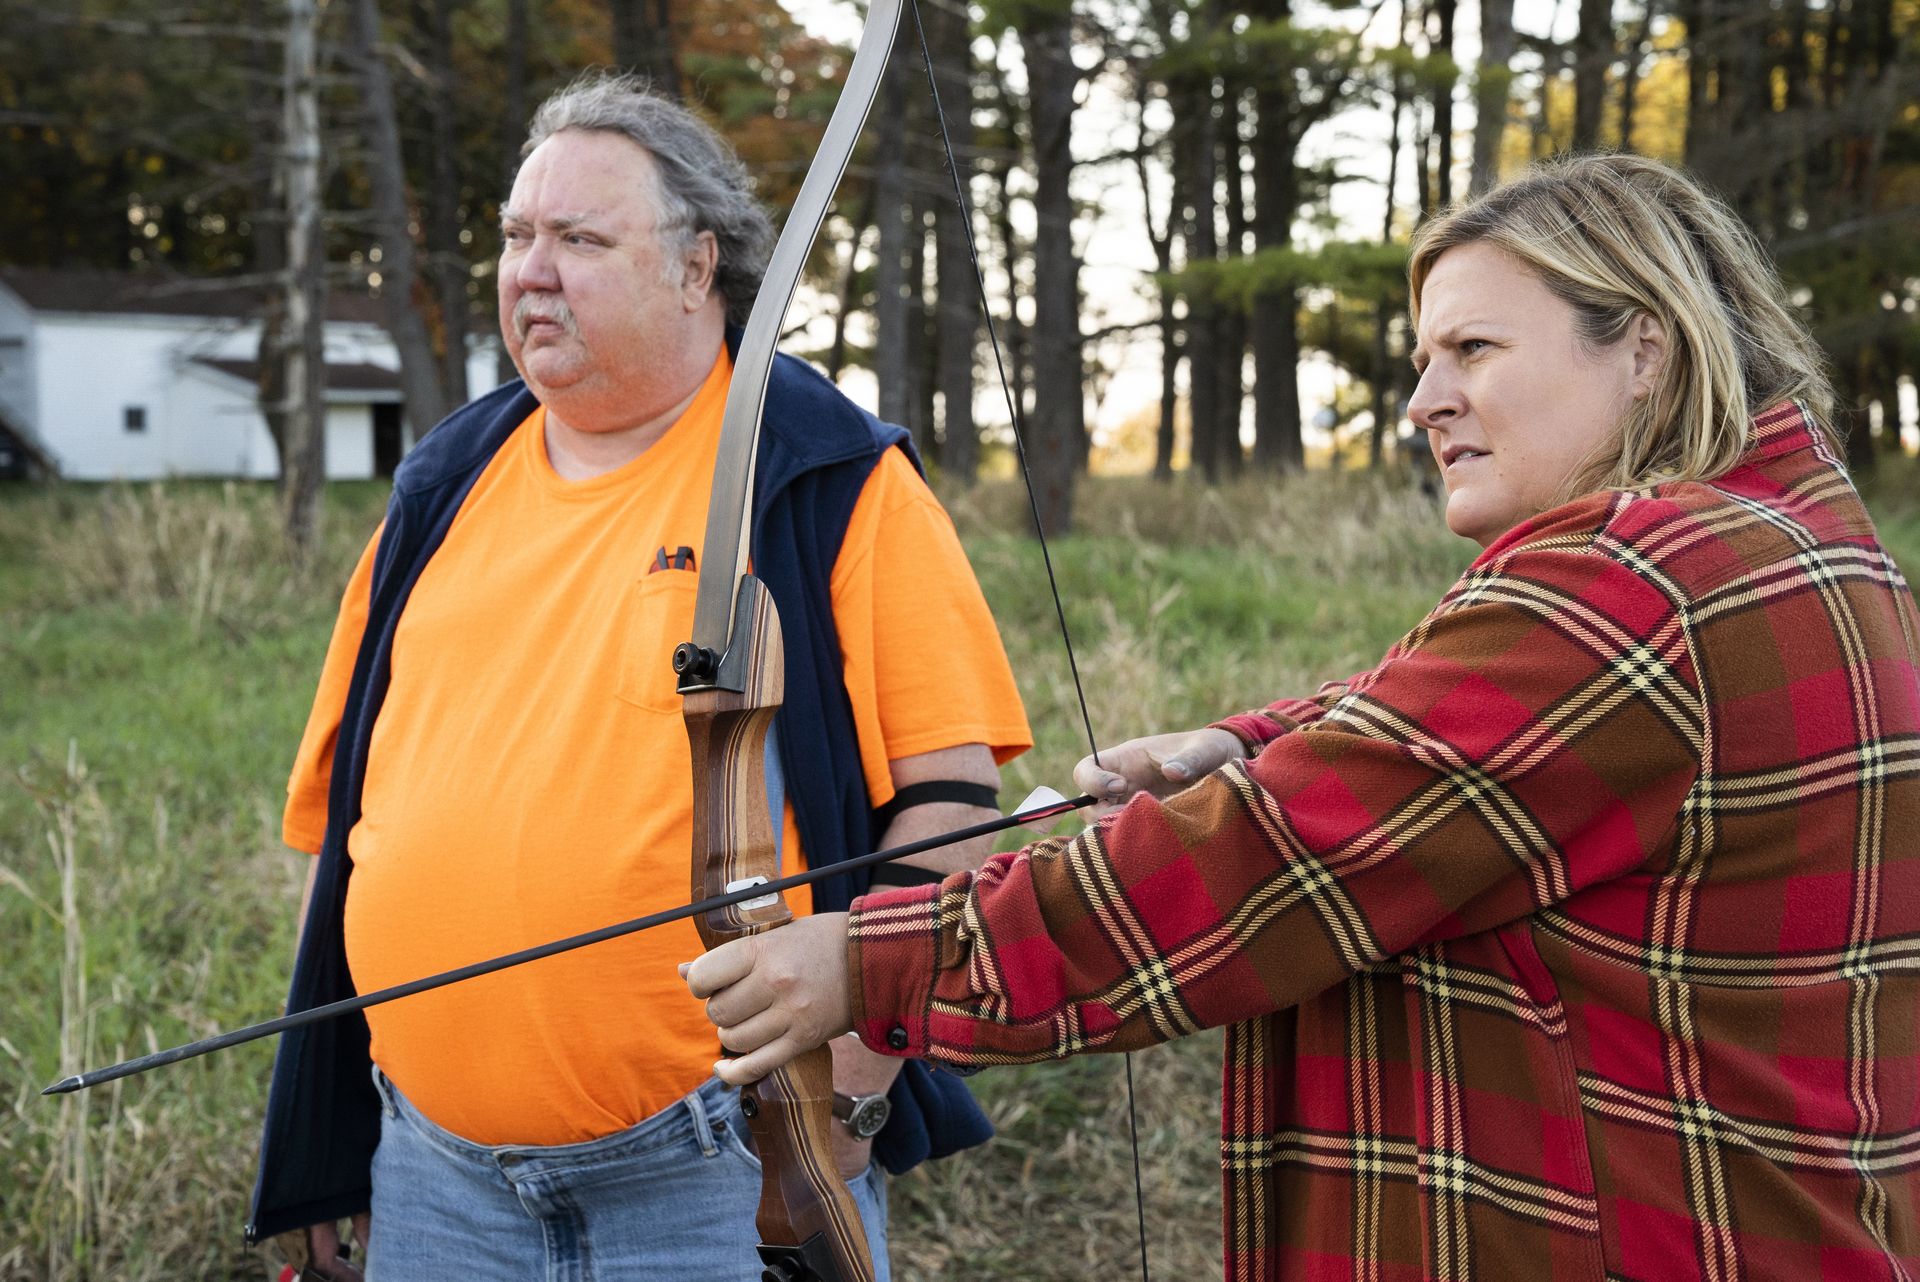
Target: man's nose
x,y
536,269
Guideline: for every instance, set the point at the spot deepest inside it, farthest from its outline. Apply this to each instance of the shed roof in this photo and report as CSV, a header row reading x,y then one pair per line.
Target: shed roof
x,y
349,382
50,289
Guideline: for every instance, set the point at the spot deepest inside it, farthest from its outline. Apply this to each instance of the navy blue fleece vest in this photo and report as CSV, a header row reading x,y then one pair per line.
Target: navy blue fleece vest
x,y
816,452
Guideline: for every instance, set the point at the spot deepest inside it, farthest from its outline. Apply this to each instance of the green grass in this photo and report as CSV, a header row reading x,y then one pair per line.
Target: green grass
x,y
158,652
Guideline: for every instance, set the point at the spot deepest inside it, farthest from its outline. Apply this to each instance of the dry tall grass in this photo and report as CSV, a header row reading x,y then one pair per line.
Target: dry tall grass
x,y
143,1179
217,555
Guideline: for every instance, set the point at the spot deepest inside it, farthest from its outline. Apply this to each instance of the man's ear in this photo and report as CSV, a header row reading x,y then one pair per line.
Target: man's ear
x,y
701,270
1650,351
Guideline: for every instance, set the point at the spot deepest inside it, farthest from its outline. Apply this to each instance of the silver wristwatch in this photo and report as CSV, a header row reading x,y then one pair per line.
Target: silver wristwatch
x,y
863,1114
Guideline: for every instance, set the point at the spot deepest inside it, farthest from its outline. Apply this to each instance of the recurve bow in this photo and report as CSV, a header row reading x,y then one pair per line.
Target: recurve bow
x,y
732,682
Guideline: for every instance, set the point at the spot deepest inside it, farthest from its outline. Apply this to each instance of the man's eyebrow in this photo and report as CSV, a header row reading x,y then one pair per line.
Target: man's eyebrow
x,y
553,222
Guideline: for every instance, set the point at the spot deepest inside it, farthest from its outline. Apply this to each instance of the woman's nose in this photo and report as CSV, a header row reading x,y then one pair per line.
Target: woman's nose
x,y
1434,403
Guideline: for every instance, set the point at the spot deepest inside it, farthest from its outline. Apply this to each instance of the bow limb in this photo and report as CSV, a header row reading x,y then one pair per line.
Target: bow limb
x,y
732,681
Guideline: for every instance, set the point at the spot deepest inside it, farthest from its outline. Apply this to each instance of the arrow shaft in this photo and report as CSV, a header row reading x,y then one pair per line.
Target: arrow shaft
x,y
302,1018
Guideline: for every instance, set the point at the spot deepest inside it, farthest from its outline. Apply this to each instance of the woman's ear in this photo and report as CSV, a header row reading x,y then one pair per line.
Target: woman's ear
x,y
1649,339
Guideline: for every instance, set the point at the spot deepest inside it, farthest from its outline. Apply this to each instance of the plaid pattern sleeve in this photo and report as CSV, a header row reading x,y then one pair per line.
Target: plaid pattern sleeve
x,y
1576,939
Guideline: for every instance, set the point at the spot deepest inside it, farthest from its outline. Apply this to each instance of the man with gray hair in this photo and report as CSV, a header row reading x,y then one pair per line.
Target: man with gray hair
x,y
496,756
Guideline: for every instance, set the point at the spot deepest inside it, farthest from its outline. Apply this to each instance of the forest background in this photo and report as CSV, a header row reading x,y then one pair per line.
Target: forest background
x,y
1228,153
1259,165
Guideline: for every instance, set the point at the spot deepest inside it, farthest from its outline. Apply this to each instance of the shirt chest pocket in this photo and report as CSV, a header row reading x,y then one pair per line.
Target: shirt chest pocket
x,y
656,616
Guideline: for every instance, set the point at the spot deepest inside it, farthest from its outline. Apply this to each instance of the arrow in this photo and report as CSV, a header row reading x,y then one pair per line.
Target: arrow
x,y
1043,806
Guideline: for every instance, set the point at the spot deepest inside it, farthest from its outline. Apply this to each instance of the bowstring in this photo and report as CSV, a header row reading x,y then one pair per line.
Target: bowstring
x,y
1039,531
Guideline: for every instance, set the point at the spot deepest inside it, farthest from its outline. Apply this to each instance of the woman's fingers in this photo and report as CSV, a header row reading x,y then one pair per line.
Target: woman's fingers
x,y
1093,779
1201,752
1158,764
1119,772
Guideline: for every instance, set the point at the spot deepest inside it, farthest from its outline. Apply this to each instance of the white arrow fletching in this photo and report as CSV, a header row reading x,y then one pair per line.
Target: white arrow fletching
x,y
1039,799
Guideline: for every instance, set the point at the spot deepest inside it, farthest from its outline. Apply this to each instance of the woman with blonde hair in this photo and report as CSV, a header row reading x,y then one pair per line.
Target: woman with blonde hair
x,y
1579,937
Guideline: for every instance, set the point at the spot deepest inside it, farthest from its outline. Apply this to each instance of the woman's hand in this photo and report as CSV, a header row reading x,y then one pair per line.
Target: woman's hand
x,y
1160,764
775,996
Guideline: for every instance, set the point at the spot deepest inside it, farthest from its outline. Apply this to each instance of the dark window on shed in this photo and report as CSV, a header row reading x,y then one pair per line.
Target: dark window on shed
x,y
135,417
386,437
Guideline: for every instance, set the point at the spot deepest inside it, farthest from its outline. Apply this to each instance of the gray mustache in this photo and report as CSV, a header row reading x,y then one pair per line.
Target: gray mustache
x,y
545,307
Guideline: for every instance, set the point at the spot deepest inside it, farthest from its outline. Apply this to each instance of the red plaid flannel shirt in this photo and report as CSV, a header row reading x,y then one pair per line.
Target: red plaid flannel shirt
x,y
1577,939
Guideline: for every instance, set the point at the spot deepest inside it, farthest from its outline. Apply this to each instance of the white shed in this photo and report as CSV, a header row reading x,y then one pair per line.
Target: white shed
x,y
115,375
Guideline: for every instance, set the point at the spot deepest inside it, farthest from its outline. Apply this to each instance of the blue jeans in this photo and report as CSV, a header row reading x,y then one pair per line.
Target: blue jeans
x,y
672,1198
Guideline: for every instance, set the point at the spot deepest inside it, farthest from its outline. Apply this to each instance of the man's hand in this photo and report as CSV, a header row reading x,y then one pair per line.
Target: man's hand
x,y
316,1251
1159,765
776,995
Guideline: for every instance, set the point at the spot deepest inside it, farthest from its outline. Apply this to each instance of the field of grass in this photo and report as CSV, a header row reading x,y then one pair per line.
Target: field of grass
x,y
158,651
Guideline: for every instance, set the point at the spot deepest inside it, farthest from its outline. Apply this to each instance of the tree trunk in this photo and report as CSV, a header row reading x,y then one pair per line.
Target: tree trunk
x,y
513,130
1630,82
1276,342
959,297
1423,162
1854,403
1593,53
386,171
1014,342
1443,108
303,467
920,342
643,43
1203,324
1231,359
1489,93
513,121
1059,417
1170,354
1384,382
266,186
1162,242
847,293
891,210
1693,18
446,256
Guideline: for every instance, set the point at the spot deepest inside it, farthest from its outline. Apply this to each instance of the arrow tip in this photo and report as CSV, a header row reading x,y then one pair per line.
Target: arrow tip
x,y
65,1086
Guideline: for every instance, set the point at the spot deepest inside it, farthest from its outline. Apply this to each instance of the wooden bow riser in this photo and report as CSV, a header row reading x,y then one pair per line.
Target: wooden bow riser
x,y
810,1229
733,828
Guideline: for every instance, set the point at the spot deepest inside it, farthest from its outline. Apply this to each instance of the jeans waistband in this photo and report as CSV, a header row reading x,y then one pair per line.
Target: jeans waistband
x,y
691,1118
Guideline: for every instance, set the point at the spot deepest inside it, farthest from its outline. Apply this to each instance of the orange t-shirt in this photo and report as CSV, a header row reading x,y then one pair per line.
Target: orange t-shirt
x,y
529,775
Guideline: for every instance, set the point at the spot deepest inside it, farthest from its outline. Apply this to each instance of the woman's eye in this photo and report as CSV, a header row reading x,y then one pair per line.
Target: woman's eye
x,y
1468,346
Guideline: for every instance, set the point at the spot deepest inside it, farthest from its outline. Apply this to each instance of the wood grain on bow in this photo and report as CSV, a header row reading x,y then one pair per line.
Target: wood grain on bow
x,y
732,683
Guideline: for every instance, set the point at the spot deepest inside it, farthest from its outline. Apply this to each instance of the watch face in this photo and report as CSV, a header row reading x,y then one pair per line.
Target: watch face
x,y
869,1115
